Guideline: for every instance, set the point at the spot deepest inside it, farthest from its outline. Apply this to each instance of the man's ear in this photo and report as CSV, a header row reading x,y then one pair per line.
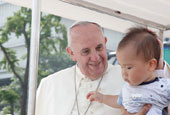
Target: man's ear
x,y
152,64
105,39
70,52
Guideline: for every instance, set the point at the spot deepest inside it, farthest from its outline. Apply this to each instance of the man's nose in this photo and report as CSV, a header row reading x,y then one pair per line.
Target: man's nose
x,y
95,56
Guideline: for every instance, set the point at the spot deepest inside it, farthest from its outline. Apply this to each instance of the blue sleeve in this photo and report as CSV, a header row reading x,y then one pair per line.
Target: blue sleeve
x,y
120,99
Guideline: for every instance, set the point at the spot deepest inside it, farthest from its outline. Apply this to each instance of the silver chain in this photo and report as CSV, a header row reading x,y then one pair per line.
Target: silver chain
x,y
76,94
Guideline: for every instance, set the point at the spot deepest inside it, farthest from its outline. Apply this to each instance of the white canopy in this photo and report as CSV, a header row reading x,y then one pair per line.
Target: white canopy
x,y
153,13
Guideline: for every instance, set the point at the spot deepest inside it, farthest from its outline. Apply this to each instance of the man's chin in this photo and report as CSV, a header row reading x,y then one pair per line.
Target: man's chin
x,y
94,77
97,68
97,75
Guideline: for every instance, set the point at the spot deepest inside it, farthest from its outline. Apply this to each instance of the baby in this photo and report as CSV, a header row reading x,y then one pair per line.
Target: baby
x,y
138,54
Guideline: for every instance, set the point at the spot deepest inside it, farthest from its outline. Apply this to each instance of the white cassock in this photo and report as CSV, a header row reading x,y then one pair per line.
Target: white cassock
x,y
56,93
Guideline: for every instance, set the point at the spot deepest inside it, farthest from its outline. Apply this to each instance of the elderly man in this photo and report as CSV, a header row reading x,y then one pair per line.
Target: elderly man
x,y
64,92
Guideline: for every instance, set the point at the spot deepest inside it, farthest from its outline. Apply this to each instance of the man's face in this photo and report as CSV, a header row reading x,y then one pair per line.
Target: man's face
x,y
89,50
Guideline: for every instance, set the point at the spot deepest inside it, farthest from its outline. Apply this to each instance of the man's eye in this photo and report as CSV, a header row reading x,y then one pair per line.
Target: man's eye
x,y
85,52
99,48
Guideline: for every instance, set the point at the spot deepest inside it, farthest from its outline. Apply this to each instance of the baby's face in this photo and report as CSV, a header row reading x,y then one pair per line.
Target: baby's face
x,y
134,69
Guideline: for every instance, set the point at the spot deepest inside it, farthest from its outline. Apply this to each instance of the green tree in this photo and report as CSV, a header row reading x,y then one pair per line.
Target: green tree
x,y
8,97
53,41
53,63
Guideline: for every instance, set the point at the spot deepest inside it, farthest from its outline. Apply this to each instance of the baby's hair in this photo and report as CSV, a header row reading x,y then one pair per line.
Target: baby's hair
x,y
145,42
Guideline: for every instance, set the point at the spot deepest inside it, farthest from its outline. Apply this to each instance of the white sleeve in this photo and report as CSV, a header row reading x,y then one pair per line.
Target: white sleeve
x,y
40,97
163,72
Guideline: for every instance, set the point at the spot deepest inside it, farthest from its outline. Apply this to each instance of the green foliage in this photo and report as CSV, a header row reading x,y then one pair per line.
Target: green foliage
x,y
53,63
12,57
5,110
3,35
8,97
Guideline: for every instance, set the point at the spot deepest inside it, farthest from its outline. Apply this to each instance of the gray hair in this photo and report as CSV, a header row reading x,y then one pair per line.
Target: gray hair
x,y
80,23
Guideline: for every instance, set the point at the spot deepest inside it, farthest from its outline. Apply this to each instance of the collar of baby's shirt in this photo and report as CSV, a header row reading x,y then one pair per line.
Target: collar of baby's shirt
x,y
149,82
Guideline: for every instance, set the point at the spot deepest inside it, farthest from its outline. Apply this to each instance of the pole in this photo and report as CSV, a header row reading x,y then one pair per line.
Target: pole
x,y
34,54
161,32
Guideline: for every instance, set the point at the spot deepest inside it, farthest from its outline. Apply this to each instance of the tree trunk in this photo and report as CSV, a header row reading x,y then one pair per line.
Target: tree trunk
x,y
24,99
12,108
25,83
25,92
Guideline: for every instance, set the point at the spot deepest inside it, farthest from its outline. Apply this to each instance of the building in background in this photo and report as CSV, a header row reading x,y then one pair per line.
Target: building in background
x,y
7,10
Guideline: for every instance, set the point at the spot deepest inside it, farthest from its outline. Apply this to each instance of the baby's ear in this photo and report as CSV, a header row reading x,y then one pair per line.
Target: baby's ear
x,y
152,64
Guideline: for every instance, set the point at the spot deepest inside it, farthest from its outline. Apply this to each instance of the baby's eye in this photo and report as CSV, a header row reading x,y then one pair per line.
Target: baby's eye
x,y
129,67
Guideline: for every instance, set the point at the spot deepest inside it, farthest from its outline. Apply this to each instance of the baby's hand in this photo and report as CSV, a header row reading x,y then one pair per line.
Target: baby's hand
x,y
95,96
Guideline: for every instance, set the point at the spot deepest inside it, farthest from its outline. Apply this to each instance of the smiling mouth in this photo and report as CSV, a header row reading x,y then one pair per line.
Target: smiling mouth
x,y
95,64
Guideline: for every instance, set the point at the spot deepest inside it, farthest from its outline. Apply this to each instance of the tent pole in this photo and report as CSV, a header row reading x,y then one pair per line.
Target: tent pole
x,y
161,35
161,38
34,54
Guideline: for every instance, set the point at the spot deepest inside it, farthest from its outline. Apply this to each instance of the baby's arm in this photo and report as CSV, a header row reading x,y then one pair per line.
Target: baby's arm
x,y
110,100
